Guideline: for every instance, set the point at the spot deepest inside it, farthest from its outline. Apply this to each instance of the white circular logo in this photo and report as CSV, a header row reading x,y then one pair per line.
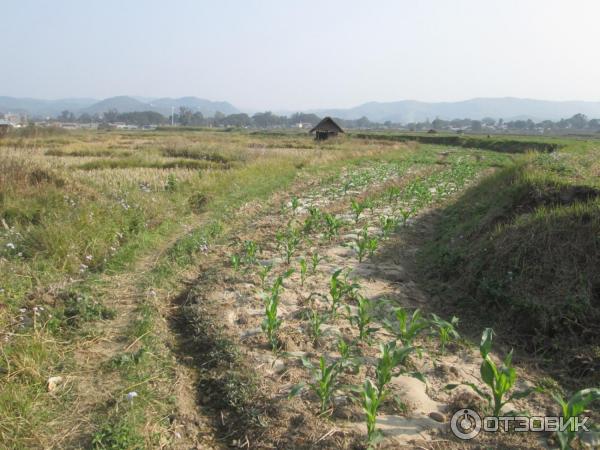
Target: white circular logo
x,y
465,424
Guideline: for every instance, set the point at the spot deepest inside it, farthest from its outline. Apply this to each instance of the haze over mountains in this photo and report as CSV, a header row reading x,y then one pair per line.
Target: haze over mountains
x,y
405,111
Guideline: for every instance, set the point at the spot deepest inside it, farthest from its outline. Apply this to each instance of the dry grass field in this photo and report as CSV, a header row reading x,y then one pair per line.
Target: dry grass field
x,y
228,289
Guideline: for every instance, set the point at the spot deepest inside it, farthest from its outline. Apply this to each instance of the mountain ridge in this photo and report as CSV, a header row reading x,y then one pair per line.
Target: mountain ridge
x,y
402,111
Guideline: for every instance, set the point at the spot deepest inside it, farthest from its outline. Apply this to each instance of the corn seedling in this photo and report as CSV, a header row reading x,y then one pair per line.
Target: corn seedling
x,y
303,270
336,291
446,330
315,320
313,221
388,225
251,251
235,262
406,214
361,244
392,193
362,318
289,241
405,327
339,288
570,410
324,381
315,259
389,358
347,359
357,209
263,272
295,204
271,322
333,225
372,244
371,400
500,380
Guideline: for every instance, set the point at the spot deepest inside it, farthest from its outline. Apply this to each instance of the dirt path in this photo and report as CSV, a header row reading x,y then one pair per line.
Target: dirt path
x,y
97,388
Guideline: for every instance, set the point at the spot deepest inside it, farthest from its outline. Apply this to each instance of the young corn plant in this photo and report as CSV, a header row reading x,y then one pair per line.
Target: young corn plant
x,y
340,288
271,323
406,213
389,359
251,250
357,209
324,382
236,262
333,225
406,328
570,410
336,291
295,204
500,380
303,271
289,241
315,259
393,192
313,221
362,318
361,245
371,401
263,272
445,330
372,244
315,320
388,225
348,358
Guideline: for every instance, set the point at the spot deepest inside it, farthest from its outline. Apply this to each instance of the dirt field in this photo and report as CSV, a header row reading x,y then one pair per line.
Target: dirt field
x,y
208,289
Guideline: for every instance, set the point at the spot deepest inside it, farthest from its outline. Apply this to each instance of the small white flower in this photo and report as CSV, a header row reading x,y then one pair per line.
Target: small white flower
x,y
10,245
131,395
23,310
89,257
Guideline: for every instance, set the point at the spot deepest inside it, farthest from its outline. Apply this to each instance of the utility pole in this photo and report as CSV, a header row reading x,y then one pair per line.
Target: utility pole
x,y
172,116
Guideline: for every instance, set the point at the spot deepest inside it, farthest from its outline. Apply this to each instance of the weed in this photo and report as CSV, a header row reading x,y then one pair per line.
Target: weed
x,y
116,436
171,185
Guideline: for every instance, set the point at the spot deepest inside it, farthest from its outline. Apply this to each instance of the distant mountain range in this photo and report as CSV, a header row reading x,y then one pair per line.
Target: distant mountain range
x,y
405,111
36,107
507,108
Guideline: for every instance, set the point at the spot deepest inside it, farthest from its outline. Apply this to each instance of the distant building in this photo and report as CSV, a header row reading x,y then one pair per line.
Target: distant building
x,y
5,126
325,129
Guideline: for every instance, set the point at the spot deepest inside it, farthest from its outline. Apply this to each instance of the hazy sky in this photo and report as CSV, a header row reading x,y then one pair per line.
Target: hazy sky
x,y
301,54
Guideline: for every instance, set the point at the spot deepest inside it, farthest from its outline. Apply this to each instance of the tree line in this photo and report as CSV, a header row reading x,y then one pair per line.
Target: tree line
x,y
186,117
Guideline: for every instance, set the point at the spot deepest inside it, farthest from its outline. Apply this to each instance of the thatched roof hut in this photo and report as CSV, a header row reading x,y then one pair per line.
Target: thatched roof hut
x,y
325,129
